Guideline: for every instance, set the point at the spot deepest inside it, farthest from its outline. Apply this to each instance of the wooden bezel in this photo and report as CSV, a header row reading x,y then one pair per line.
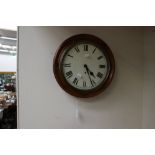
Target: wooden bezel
x,y
69,43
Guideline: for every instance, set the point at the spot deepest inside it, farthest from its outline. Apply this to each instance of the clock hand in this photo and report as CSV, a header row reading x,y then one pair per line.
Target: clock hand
x,y
91,73
88,74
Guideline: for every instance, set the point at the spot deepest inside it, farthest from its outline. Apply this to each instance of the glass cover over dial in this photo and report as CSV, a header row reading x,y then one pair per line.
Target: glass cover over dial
x,y
84,66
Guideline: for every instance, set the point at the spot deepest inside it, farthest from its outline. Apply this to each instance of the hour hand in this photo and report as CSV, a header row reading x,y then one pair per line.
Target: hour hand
x,y
91,73
85,66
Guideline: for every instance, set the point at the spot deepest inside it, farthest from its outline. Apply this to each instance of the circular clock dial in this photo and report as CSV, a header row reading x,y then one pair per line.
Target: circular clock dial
x,y
84,66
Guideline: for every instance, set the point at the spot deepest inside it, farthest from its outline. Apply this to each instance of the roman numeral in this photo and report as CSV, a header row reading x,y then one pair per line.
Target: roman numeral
x,y
75,81
84,83
67,65
69,74
94,51
77,49
70,55
100,57
101,66
100,75
85,47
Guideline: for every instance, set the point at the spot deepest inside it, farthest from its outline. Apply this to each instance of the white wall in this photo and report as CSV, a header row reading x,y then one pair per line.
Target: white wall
x,y
149,79
43,104
7,63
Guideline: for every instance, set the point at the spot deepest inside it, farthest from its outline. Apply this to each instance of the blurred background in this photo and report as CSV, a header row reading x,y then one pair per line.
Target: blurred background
x,y
8,57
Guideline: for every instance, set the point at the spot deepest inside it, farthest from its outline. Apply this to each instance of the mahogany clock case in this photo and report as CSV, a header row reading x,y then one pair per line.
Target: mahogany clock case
x,y
68,44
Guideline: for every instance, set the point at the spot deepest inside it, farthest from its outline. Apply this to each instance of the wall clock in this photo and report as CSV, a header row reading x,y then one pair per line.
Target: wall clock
x,y
84,65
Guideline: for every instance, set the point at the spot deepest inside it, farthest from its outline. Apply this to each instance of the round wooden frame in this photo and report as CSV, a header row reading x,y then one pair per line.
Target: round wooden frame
x,y
57,66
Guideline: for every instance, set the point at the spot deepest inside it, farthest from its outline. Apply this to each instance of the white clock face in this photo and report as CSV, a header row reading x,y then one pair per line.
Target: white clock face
x,y
84,66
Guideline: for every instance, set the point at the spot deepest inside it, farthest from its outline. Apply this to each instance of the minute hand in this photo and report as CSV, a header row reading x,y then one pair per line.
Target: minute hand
x,y
88,74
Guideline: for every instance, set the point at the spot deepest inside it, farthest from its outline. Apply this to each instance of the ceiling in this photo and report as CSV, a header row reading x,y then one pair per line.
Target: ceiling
x,y
8,41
